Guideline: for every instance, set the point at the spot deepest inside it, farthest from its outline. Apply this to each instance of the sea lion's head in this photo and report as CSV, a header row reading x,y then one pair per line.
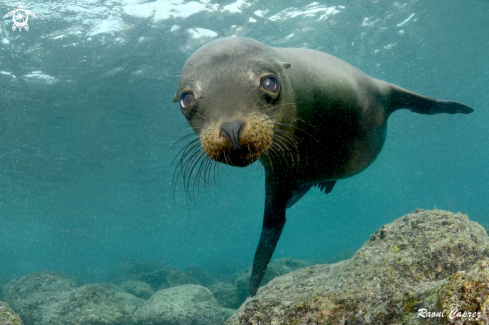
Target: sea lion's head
x,y
233,92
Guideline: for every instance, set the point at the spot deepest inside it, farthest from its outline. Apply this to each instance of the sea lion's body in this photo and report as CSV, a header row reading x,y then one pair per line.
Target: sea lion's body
x,y
309,117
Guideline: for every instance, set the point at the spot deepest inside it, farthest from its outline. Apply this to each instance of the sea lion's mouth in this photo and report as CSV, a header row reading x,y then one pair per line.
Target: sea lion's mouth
x,y
254,139
246,155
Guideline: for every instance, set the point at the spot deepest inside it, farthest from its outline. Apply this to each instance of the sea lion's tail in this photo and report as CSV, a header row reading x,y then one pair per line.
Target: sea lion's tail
x,y
402,98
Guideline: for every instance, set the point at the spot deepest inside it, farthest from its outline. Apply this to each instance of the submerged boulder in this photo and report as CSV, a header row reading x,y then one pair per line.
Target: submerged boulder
x,y
157,274
168,277
434,262
46,298
87,305
28,294
182,305
226,295
227,312
8,316
137,288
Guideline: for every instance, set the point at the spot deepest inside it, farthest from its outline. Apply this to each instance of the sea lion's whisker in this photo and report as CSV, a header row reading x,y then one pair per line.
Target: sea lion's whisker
x,y
182,170
198,114
254,106
198,174
270,160
289,137
283,147
227,161
189,174
279,105
191,160
199,161
216,167
276,153
183,138
294,127
208,167
184,149
188,152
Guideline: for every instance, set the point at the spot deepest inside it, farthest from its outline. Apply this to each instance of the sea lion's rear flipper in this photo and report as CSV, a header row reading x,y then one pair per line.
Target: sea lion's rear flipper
x,y
298,194
326,187
402,98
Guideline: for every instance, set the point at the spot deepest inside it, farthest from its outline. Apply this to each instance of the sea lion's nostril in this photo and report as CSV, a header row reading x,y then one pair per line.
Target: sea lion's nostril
x,y
231,131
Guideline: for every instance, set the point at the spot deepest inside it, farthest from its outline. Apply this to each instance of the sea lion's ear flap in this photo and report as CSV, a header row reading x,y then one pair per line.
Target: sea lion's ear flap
x,y
285,65
175,99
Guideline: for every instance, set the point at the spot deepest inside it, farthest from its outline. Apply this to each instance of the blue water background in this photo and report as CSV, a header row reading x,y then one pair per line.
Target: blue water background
x,y
85,161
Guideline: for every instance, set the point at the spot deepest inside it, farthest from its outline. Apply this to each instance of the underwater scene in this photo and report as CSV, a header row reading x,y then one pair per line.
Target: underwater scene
x,y
151,150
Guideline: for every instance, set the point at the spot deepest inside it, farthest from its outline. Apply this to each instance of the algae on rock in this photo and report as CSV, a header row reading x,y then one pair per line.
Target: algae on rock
x,y
8,316
434,260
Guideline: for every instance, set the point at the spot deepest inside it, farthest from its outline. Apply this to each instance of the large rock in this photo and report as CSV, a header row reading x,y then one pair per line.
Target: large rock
x,y
47,298
137,288
226,295
433,260
183,305
27,293
8,316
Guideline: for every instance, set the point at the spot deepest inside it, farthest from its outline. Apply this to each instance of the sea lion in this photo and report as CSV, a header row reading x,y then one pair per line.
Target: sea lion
x,y
309,117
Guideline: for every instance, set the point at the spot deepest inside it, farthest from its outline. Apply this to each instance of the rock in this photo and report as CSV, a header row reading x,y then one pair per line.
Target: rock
x,y
187,304
226,295
226,312
137,288
341,256
277,268
132,269
127,302
202,275
89,304
433,260
47,298
157,274
467,291
8,316
167,277
27,293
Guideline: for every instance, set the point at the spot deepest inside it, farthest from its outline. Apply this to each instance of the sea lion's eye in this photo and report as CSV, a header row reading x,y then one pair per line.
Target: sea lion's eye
x,y
186,100
269,83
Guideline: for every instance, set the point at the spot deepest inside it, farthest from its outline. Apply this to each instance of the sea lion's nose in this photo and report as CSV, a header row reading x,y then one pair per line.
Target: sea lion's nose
x,y
231,131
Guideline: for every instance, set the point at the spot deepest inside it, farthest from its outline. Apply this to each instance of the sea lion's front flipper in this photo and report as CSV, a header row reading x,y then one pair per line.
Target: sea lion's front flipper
x,y
402,98
276,199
